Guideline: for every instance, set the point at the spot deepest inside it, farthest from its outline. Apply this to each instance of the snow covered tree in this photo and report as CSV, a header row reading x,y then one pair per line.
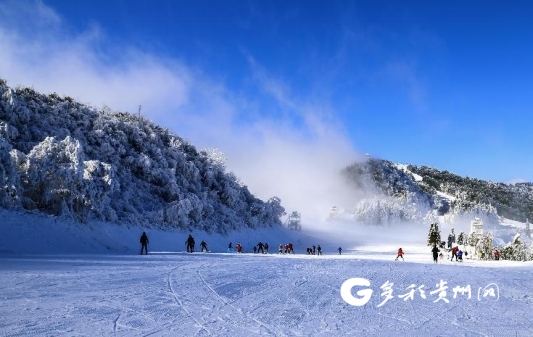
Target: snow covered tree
x,y
9,177
472,240
486,247
451,238
516,250
434,234
68,159
461,239
53,177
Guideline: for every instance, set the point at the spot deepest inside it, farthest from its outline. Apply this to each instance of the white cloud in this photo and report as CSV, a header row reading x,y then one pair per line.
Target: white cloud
x,y
298,162
37,51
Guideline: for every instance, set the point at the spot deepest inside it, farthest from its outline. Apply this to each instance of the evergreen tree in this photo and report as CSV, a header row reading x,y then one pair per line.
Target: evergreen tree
x,y
451,238
485,246
472,241
434,234
516,250
461,239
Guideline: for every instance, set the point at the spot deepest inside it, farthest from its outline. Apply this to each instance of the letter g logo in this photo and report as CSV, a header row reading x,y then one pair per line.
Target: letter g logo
x,y
346,291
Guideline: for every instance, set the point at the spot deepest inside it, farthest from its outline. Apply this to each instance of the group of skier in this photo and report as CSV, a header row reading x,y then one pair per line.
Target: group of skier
x,y
190,244
315,250
238,247
261,247
285,249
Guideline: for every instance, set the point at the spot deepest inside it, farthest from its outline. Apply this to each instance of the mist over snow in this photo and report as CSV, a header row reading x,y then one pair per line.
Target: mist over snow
x,y
296,157
304,173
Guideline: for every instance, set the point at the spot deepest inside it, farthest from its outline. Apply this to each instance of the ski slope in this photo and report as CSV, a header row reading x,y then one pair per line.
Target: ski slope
x,y
222,294
63,279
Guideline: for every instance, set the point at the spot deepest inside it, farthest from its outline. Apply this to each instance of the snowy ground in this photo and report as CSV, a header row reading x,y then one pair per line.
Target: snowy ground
x,y
109,292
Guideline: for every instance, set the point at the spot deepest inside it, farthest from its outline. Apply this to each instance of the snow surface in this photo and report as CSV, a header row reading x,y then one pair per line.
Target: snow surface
x,y
446,196
60,279
404,168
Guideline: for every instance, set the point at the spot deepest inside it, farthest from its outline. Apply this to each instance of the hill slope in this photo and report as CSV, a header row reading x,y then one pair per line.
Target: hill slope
x,y
396,192
68,159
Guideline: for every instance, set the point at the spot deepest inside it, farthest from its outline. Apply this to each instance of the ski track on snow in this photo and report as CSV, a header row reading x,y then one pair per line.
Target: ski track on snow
x,y
176,297
250,295
270,329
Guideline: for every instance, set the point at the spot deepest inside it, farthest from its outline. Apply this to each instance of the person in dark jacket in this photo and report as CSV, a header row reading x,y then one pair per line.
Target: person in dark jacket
x,y
230,247
260,247
435,252
144,243
203,246
190,244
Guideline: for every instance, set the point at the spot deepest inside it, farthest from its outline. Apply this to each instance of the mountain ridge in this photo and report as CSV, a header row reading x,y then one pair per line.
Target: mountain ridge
x,y
440,193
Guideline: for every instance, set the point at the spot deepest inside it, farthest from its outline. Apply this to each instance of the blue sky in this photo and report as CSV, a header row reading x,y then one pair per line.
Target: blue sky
x,y
443,84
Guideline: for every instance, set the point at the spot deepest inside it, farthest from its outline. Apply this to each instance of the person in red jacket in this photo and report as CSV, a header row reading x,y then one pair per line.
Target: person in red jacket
x,y
454,253
496,255
239,247
400,254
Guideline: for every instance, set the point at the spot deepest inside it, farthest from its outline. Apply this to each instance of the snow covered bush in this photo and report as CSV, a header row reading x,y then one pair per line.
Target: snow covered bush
x,y
516,250
68,159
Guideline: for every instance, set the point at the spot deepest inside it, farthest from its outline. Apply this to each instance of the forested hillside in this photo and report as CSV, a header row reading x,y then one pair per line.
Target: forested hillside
x,y
398,192
512,201
72,160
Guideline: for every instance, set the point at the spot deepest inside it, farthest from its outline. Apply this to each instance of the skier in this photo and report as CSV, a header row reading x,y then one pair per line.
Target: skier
x,y
454,253
203,244
144,243
255,249
314,249
239,248
340,250
459,256
190,244
496,255
290,248
319,250
280,249
266,248
230,247
435,252
260,247
400,254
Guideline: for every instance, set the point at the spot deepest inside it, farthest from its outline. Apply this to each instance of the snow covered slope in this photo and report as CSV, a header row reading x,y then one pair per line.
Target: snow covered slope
x,y
63,279
180,294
